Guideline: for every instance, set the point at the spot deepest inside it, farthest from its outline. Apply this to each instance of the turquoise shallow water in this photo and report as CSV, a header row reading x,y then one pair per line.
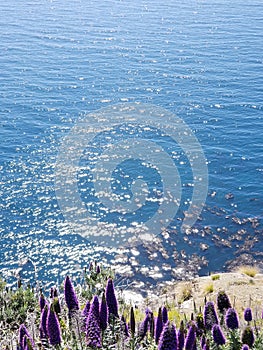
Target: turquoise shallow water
x,y
200,60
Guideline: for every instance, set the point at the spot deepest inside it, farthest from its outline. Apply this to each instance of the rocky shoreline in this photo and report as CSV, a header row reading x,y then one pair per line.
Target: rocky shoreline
x,y
243,291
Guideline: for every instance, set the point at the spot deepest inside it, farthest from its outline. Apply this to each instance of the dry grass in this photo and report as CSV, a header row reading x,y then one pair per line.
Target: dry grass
x,y
242,290
186,292
209,288
250,271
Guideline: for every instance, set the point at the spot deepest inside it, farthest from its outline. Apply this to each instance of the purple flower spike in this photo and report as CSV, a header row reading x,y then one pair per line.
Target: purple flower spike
x,y
248,337
202,341
210,315
70,295
124,327
85,314
27,343
164,315
245,347
42,301
218,335
148,311
93,336
132,321
223,302
85,311
25,347
206,346
168,338
190,339
95,308
53,327
103,313
158,326
43,322
144,326
152,326
55,292
232,319
23,332
248,314
111,299
181,336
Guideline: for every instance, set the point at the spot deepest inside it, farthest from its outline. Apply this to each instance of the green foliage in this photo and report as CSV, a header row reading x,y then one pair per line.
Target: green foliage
x,y
174,316
95,281
258,341
16,305
215,277
234,339
2,285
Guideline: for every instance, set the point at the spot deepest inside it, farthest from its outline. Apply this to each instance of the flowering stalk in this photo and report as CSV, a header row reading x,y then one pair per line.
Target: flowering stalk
x,y
85,311
232,319
132,340
168,338
245,347
210,315
218,336
248,336
124,327
190,340
181,336
152,325
164,315
248,315
223,302
23,335
158,326
42,301
202,341
103,314
111,300
93,336
132,322
56,306
144,326
43,323
27,343
53,327
70,296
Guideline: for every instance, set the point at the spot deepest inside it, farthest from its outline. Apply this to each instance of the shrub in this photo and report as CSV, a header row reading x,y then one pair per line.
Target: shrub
x,y
215,277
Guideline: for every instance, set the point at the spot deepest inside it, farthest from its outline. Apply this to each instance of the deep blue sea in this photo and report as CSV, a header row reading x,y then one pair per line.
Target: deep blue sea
x,y
200,60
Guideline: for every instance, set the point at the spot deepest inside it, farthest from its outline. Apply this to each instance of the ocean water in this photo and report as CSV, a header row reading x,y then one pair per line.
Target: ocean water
x,y
200,60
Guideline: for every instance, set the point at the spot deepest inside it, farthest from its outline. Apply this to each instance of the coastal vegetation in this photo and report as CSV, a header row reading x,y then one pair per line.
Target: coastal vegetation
x,y
92,315
250,271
